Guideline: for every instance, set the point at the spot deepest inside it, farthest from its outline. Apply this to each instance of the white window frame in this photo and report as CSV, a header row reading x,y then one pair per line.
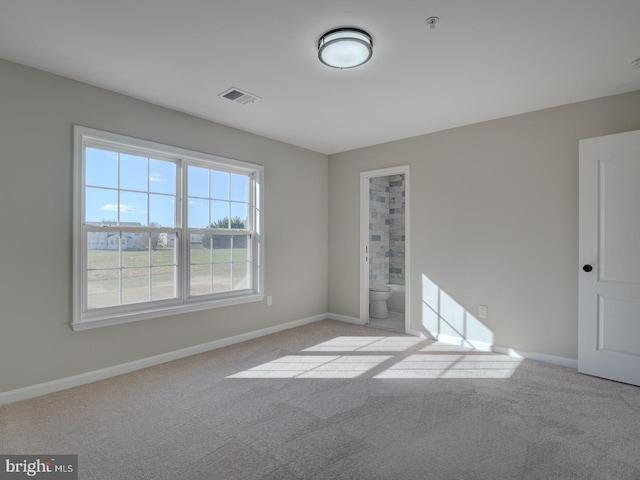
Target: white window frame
x,y
84,318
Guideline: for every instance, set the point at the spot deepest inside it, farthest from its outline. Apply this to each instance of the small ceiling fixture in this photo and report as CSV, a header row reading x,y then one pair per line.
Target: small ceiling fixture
x,y
431,21
239,96
345,48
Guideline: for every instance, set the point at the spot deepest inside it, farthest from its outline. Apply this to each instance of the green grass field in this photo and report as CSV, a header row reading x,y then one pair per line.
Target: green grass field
x,y
115,278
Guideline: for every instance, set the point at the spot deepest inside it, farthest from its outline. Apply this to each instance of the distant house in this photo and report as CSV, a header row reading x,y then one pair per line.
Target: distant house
x,y
140,241
109,240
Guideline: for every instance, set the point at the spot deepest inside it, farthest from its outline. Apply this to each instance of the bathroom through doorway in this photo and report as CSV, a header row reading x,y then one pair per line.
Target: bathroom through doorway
x,y
384,248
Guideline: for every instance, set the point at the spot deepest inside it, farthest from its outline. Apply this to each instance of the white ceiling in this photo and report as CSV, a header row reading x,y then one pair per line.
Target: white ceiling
x,y
485,59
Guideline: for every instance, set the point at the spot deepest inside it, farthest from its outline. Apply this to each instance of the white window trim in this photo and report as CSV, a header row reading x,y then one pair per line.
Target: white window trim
x,y
136,312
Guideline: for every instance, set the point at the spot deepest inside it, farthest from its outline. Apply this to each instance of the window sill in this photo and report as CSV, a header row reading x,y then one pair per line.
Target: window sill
x,y
162,312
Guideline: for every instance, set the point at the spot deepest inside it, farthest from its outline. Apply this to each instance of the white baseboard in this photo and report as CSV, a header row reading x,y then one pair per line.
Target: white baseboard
x,y
540,357
512,352
418,333
89,377
463,342
345,318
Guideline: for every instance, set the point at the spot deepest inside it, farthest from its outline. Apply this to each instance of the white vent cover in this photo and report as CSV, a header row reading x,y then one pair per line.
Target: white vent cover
x,y
635,63
238,96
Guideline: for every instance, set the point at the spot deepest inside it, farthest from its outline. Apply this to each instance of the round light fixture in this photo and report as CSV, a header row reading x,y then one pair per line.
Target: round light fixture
x,y
345,48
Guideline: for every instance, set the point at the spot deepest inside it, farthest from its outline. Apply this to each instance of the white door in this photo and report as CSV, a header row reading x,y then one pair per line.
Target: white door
x,y
609,253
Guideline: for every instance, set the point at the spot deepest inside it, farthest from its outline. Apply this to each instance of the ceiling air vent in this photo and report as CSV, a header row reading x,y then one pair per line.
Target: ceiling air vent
x,y
238,96
635,63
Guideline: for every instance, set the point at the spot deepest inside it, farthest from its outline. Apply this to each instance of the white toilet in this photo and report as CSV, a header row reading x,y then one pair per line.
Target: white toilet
x,y
378,296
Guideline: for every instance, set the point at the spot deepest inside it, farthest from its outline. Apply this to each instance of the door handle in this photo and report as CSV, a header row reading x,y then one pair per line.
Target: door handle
x,y
587,268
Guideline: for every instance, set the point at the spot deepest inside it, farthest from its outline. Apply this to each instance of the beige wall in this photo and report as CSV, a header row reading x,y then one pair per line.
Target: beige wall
x,y
494,221
37,114
494,218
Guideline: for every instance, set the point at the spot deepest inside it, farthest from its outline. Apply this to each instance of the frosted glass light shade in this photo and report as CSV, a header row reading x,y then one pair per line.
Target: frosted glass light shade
x,y
345,48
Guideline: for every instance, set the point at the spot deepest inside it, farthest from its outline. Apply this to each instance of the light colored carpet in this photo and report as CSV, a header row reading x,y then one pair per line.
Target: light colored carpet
x,y
337,401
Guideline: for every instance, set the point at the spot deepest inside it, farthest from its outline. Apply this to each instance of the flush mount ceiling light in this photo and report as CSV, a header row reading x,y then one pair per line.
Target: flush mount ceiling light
x,y
345,48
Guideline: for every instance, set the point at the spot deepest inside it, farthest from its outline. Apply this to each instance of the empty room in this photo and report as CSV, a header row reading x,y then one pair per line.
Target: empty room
x,y
305,240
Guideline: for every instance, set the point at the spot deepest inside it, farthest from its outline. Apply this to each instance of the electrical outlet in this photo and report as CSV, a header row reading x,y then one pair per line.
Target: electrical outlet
x,y
482,311
269,300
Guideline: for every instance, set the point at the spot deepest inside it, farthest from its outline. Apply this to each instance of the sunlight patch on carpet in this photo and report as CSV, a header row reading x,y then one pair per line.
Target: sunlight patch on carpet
x,y
451,366
365,344
314,366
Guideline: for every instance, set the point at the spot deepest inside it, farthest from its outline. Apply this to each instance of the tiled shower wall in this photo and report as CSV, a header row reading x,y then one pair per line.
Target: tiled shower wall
x,y
396,229
386,230
379,230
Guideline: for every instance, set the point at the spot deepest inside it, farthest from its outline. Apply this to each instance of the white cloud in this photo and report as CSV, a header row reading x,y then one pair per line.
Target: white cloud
x,y
110,207
156,177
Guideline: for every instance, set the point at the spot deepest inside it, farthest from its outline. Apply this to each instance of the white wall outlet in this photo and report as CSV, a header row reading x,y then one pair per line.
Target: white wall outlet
x,y
269,300
482,311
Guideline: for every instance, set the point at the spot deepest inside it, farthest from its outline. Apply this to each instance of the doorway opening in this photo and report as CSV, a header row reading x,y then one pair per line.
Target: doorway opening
x,y
384,248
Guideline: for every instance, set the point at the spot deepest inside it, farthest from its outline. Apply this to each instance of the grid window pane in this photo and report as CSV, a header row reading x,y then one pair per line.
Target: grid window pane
x,y
162,176
241,275
239,187
239,215
219,185
241,245
221,248
101,168
198,182
200,279
135,251
163,283
219,214
198,213
98,255
200,253
134,173
135,285
163,249
103,288
101,206
221,278
120,270
211,267
162,210
133,208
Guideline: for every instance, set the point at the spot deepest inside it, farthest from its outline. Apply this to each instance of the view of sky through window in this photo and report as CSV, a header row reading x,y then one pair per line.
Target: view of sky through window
x,y
127,188
216,196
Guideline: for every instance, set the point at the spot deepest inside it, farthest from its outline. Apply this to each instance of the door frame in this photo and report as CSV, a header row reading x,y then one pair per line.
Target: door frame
x,y
364,240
